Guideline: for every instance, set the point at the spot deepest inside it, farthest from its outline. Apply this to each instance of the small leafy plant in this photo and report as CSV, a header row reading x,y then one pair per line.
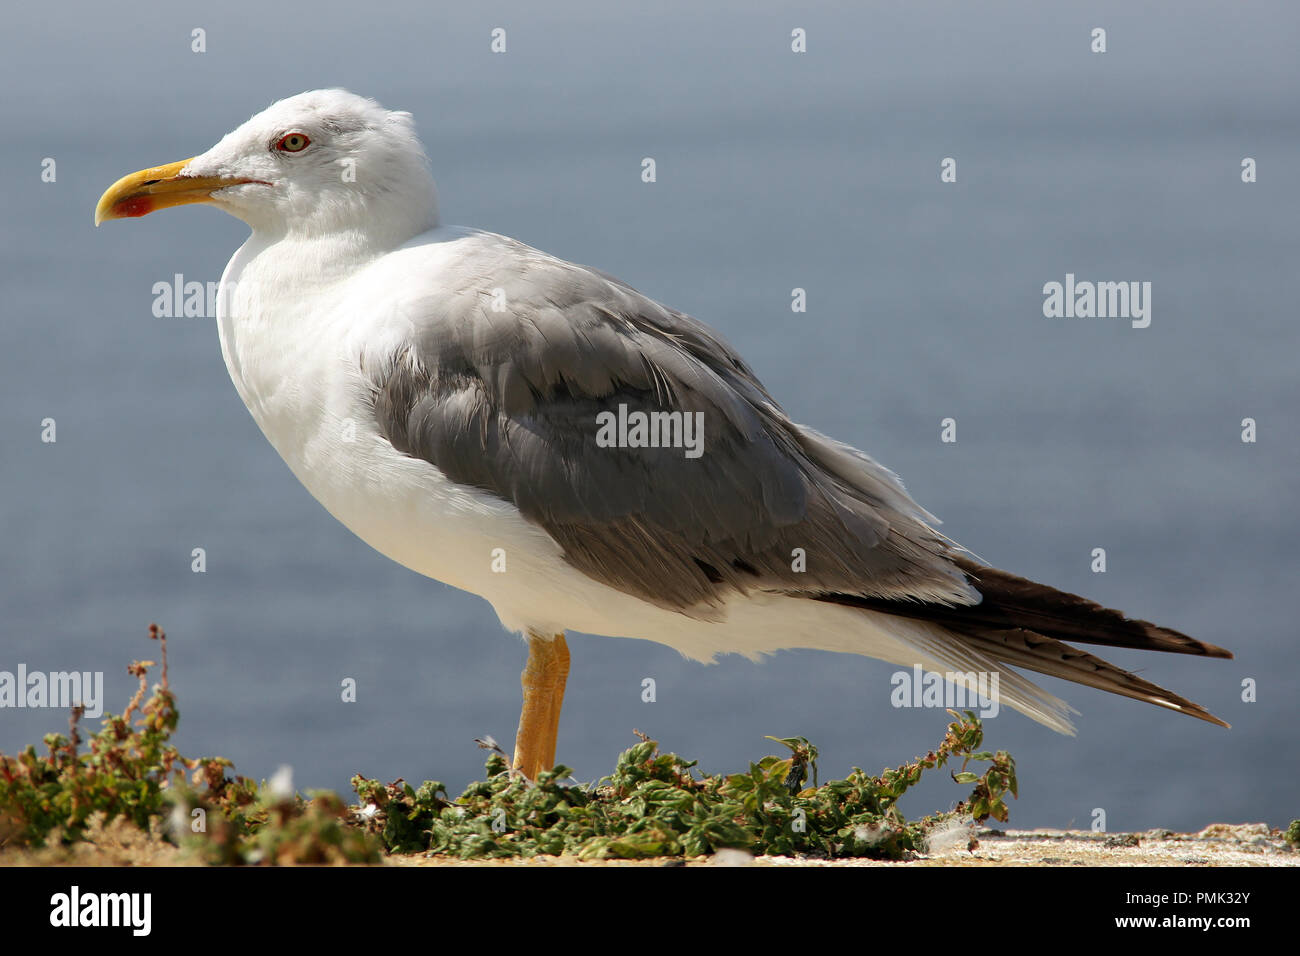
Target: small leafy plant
x,y
653,805
130,770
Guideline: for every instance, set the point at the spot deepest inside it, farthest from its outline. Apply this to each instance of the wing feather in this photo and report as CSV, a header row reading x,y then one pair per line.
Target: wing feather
x,y
507,399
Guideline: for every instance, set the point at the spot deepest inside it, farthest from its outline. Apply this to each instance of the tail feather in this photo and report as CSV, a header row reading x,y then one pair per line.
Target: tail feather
x,y
1015,602
1025,624
1046,655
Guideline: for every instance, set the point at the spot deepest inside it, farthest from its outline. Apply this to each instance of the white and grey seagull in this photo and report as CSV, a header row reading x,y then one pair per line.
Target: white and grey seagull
x,y
541,434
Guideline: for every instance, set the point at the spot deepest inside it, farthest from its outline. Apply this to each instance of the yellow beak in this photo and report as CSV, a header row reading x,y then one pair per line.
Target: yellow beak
x,y
157,188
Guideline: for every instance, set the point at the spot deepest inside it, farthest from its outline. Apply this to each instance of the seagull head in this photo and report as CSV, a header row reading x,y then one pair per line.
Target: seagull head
x,y
321,162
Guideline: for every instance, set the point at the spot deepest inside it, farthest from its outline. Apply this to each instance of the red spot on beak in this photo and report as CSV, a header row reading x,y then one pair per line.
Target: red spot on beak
x,y
135,207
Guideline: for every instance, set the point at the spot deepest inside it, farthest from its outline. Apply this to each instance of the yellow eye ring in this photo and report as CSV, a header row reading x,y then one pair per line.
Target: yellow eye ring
x,y
293,143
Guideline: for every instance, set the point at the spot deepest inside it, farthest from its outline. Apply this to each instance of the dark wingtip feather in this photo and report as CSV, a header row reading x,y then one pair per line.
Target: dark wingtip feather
x,y
1025,624
1046,655
1013,601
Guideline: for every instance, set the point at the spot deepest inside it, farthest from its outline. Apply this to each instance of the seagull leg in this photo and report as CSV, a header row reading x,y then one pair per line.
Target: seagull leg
x,y
543,681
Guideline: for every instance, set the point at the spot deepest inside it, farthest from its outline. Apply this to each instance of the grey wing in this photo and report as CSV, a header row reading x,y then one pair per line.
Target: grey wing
x,y
503,390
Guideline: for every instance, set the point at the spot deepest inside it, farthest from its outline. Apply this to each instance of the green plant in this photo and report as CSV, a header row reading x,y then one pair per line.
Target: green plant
x,y
654,805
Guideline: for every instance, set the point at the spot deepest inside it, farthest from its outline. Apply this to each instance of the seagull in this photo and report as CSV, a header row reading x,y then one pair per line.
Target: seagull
x,y
541,434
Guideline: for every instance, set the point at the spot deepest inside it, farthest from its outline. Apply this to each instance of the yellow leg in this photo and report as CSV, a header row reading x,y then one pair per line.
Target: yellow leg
x,y
539,722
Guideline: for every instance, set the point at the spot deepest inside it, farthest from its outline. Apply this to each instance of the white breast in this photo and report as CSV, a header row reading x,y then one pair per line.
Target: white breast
x,y
295,351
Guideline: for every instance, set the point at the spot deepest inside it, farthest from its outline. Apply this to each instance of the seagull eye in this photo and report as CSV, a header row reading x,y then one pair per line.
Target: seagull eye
x,y
293,143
